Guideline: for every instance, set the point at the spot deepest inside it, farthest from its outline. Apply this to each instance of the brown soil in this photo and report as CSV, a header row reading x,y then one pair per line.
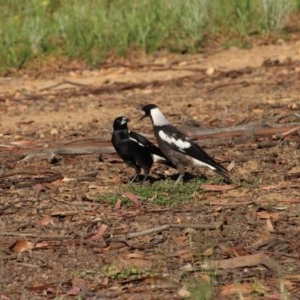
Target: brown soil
x,y
51,204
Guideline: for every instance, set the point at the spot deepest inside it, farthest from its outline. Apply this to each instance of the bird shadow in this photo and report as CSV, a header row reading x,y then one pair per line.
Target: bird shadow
x,y
187,177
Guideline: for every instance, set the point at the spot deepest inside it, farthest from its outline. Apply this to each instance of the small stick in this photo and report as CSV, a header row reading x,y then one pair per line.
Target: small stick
x,y
284,134
33,235
165,227
62,83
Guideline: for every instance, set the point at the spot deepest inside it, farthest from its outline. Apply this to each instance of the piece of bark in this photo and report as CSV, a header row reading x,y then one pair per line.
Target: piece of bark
x,y
244,261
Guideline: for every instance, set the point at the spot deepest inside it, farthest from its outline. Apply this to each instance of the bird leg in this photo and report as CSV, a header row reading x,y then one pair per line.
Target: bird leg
x,y
137,173
146,174
181,174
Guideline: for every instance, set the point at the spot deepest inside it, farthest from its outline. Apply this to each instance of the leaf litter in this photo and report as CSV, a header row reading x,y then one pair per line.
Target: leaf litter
x,y
100,240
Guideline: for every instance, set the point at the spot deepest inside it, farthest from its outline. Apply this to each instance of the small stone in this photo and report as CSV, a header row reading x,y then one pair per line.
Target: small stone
x,y
184,293
54,131
210,71
293,106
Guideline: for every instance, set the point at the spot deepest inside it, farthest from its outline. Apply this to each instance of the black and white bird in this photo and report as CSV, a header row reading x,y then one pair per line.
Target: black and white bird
x,y
178,147
136,151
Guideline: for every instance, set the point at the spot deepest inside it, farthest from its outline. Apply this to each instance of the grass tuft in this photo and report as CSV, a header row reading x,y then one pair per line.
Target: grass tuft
x,y
165,192
91,29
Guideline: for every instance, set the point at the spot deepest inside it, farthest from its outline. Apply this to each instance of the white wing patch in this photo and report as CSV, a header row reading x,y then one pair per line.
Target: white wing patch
x,y
181,144
157,158
199,163
134,140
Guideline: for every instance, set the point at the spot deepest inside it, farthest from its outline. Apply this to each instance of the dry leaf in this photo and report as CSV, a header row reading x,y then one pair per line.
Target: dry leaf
x,y
263,239
184,253
205,278
42,245
67,179
38,187
187,268
208,252
46,220
231,166
238,250
138,255
21,143
269,226
98,235
22,246
74,290
181,239
243,289
258,111
161,283
118,204
178,220
293,106
132,197
274,186
236,289
116,180
263,215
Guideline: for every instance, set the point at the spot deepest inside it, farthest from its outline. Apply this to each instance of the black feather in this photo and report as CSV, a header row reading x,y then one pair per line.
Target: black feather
x,y
136,151
178,147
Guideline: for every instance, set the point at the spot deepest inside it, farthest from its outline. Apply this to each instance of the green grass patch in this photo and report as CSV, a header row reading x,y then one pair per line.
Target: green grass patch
x,y
201,291
162,192
91,29
165,192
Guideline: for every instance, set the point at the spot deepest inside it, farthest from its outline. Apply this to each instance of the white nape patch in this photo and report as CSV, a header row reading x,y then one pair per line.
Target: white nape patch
x,y
199,163
157,158
134,140
181,144
158,118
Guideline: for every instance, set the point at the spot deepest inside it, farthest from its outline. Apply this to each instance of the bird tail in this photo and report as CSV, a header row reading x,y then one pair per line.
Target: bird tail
x,y
223,173
163,160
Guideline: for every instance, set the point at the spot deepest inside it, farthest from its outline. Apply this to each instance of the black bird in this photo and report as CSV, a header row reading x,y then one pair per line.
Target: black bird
x,y
136,151
178,147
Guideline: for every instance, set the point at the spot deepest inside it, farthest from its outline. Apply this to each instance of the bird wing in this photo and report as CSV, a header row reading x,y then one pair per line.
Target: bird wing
x,y
179,142
158,155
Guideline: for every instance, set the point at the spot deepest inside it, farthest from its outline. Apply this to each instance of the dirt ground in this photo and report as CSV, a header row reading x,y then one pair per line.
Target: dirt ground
x,y
59,241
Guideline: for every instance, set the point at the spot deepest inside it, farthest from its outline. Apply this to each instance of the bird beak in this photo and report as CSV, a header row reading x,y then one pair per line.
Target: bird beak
x,y
140,108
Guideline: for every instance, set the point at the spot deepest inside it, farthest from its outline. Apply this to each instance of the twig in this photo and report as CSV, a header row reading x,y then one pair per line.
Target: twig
x,y
242,83
284,134
230,204
62,83
33,235
253,130
96,146
28,265
292,176
165,227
